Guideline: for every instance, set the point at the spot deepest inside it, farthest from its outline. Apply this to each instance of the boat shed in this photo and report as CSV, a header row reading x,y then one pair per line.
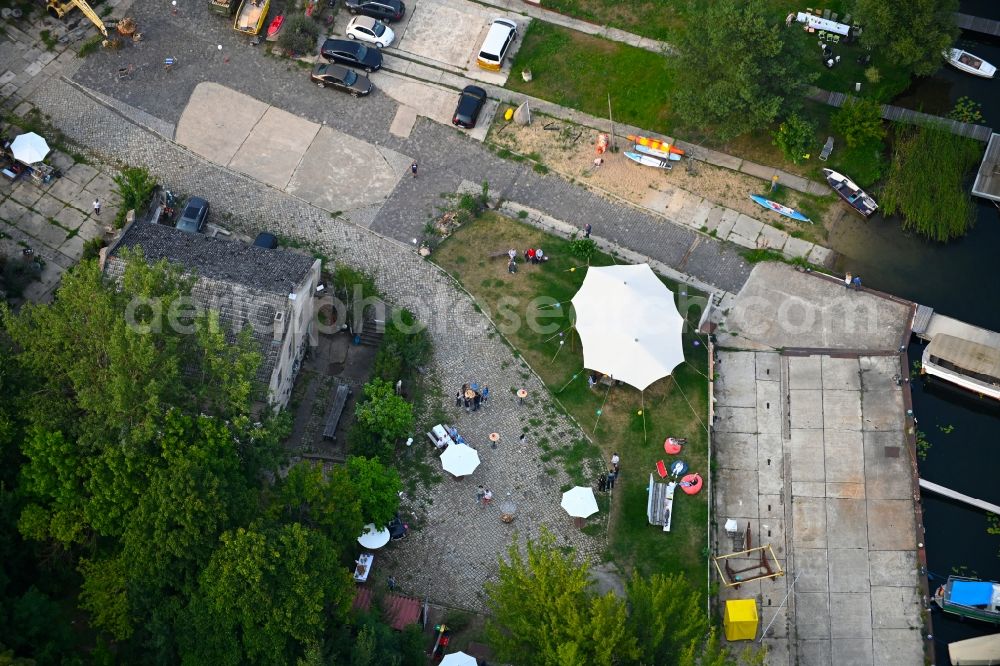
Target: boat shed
x,y
987,183
972,358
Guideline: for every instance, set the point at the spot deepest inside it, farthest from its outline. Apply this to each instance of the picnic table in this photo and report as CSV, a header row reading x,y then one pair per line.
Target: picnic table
x,y
363,567
341,392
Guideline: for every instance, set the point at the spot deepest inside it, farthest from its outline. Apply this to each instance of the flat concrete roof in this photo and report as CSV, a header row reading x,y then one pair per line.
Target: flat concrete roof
x,y
781,307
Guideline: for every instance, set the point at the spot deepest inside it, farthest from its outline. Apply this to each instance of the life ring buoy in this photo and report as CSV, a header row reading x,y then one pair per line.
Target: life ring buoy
x,y
691,483
671,446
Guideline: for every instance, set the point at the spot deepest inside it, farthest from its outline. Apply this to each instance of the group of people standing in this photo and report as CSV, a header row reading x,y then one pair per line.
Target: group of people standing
x,y
472,397
484,496
606,482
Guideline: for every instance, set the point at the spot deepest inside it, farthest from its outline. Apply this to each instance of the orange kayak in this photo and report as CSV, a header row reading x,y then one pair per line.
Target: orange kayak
x,y
655,144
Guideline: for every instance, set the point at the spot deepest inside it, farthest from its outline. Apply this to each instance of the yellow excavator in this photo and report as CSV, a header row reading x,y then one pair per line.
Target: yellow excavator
x,y
126,27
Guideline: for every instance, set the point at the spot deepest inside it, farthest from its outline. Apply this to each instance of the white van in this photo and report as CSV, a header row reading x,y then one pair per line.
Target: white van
x,y
497,43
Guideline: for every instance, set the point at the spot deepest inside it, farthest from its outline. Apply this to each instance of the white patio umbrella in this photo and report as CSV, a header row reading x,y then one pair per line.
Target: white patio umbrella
x,y
628,324
373,538
29,148
459,659
579,502
460,460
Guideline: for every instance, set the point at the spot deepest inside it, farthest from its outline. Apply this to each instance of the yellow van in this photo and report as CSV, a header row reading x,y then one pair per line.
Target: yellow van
x,y
497,43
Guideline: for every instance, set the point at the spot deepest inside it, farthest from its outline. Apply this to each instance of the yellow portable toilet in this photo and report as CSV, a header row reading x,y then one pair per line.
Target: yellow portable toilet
x,y
740,619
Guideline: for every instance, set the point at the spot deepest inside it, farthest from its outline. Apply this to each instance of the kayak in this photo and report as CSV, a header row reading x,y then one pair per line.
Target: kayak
x,y
664,155
648,160
275,28
779,209
655,143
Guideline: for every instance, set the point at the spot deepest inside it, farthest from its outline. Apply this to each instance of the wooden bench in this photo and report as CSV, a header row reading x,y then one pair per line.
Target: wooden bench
x,y
660,503
341,392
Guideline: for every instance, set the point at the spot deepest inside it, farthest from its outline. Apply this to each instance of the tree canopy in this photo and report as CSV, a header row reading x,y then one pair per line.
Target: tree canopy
x,y
909,33
735,70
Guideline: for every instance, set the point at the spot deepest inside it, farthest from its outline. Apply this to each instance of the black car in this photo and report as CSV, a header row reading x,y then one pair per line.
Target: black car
x,y
266,240
352,53
337,76
387,10
470,103
194,216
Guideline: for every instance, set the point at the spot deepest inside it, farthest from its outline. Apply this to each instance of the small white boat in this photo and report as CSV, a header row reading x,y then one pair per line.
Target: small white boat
x,y
662,154
648,160
969,63
973,366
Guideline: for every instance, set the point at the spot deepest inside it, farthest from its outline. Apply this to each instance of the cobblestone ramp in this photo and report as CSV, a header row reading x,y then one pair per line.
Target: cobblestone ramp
x,y
457,551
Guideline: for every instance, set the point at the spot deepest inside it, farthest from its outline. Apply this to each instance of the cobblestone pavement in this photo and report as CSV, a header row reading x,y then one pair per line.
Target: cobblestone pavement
x,y
457,551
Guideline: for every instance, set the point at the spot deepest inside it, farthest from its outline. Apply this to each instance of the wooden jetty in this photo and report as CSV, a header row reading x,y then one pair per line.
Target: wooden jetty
x,y
977,132
959,497
987,183
927,324
977,24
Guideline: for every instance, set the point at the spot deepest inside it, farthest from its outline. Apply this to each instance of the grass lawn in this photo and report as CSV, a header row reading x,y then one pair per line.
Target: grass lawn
x,y
579,70
670,409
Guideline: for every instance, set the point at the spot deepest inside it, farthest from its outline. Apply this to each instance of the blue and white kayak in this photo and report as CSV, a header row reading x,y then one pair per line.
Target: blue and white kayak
x,y
653,152
648,160
779,209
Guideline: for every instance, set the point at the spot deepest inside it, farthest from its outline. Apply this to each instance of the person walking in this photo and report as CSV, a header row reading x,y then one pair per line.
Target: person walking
x,y
615,460
522,439
486,393
612,475
480,493
487,497
586,230
97,206
413,169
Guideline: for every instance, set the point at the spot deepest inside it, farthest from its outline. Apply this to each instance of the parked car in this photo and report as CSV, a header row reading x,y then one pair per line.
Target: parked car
x,y
367,29
387,10
342,78
502,34
266,240
352,54
192,220
470,103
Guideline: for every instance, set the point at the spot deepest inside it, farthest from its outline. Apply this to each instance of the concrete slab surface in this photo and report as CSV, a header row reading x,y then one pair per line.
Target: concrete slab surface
x,y
335,163
851,615
805,372
897,646
841,373
851,651
805,408
217,120
842,410
892,567
812,568
844,457
890,605
849,570
783,307
275,146
432,101
890,525
814,605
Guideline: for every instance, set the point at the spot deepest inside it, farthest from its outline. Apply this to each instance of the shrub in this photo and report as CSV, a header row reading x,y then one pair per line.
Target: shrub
x,y
299,34
859,122
583,248
135,187
92,248
405,347
794,136
381,420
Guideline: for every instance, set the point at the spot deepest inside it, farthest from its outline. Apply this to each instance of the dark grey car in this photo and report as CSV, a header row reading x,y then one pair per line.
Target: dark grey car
x,y
338,76
470,103
387,10
192,220
352,53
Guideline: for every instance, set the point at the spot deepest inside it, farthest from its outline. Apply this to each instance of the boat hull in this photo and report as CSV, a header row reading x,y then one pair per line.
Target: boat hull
x,y
274,29
779,209
980,651
955,57
984,612
648,160
952,377
646,150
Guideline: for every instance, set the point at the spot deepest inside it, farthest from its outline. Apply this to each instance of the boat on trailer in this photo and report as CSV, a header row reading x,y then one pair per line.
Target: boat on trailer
x,y
970,597
848,190
970,365
970,64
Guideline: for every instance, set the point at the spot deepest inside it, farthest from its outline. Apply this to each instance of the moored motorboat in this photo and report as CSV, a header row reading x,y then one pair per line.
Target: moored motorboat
x,y
970,64
848,190
971,598
779,209
648,160
970,365
275,28
979,651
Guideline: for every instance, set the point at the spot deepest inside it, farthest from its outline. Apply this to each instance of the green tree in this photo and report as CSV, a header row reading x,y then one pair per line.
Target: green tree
x,y
378,487
543,612
667,615
859,121
381,420
405,347
265,597
909,33
794,136
926,182
104,596
735,70
135,186
326,500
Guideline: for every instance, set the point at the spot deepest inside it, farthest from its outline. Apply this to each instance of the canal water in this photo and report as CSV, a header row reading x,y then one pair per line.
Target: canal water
x,y
960,279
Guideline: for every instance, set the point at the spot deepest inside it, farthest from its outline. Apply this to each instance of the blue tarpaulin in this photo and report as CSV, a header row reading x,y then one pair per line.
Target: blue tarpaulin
x,y
970,593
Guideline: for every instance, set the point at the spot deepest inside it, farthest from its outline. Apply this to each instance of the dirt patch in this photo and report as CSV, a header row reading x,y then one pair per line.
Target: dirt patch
x,y
569,150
